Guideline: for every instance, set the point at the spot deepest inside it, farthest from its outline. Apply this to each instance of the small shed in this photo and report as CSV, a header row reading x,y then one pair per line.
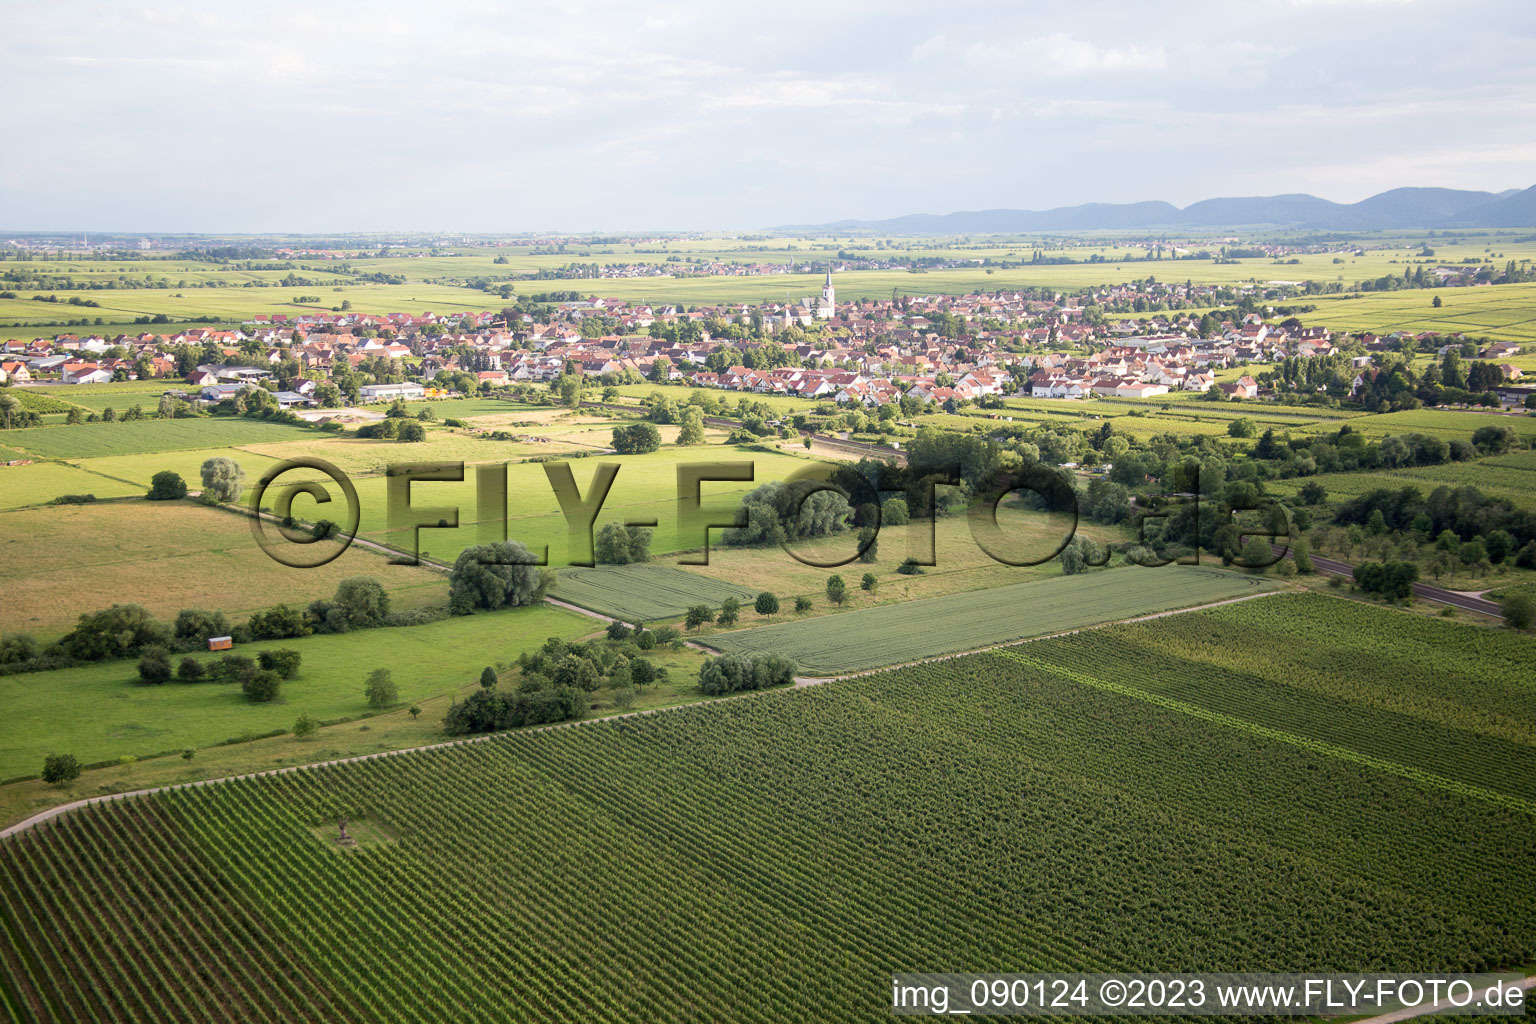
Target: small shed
x,y
220,643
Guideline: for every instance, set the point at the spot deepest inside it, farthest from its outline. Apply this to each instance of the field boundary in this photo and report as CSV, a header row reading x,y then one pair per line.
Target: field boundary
x,y
800,682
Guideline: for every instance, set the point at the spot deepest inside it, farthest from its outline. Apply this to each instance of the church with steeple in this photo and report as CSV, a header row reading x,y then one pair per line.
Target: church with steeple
x,y
827,307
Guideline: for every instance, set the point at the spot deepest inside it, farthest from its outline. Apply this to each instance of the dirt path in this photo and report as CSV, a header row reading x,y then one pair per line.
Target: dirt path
x,y
1420,1011
800,681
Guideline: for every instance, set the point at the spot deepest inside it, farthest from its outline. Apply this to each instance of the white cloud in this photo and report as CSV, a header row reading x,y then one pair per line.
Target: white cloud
x,y
690,113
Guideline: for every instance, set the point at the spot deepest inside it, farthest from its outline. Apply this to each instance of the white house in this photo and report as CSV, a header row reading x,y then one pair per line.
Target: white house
x,y
390,392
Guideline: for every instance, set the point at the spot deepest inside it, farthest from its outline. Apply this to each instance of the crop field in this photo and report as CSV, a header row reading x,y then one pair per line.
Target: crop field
x,y
166,556
1213,813
111,715
892,634
645,489
1443,423
960,563
1503,313
1524,460
41,482
136,437
1309,665
642,592
355,455
1507,485
118,395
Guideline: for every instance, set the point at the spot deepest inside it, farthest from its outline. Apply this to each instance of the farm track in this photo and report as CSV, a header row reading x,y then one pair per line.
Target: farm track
x,y
1526,983
54,812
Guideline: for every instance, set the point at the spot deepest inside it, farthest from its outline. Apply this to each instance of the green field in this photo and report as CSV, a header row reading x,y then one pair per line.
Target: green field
x,y
110,715
792,850
1503,313
41,482
1443,423
645,489
1507,485
896,633
56,563
137,437
642,592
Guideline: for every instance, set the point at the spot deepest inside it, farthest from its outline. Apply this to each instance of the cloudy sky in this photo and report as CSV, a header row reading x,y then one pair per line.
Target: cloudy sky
x,y
671,115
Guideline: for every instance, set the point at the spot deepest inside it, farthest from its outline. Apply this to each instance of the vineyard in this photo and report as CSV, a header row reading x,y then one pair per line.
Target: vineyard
x,y
642,592
895,633
775,858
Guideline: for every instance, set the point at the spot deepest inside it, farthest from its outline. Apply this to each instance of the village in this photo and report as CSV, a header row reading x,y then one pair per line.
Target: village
x,y
941,350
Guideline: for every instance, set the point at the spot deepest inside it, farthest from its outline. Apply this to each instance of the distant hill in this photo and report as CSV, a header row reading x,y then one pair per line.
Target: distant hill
x,y
1512,211
1398,208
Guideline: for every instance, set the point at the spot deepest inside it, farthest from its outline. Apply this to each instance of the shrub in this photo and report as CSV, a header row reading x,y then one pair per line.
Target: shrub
x,y
909,567
261,686
305,727
575,670
166,486
733,673
380,689
1519,612
282,661
490,710
617,544
730,611
362,601
233,668
113,633
495,576
488,678
802,605
636,439
60,769
837,590
155,665
195,624
279,622
1391,580
642,672
869,583
190,670
223,480
18,647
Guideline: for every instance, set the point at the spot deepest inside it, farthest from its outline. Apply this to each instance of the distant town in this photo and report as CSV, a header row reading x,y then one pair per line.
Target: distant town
x,y
936,350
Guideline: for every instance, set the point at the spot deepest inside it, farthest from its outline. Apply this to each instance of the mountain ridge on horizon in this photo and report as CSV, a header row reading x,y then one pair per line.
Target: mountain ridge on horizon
x,y
1410,207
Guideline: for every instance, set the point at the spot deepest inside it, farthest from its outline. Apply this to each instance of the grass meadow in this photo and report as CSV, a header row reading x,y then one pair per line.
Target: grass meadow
x,y
41,482
137,437
56,563
110,715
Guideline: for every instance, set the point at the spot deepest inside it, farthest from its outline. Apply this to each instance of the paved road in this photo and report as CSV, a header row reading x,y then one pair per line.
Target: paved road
x,y
1466,602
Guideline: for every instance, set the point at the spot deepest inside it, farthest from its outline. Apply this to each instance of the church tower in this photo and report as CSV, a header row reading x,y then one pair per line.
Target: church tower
x,y
828,305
